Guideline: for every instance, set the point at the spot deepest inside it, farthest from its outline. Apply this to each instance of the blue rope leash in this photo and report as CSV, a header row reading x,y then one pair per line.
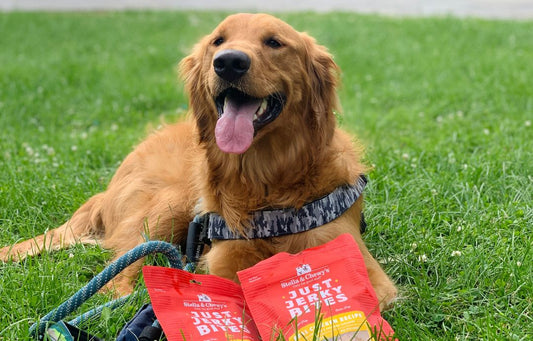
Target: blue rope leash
x,y
97,312
70,305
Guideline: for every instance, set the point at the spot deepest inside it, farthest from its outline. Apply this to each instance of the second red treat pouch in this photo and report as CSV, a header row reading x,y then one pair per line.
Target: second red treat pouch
x,y
321,292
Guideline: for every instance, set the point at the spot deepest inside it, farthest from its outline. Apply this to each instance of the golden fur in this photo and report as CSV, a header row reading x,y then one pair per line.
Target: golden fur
x,y
180,170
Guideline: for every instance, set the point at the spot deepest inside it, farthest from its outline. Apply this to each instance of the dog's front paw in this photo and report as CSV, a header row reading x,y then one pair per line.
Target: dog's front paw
x,y
387,294
4,254
10,254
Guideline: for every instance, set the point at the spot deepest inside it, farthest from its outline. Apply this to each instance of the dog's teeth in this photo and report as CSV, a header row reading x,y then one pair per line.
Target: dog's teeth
x,y
262,108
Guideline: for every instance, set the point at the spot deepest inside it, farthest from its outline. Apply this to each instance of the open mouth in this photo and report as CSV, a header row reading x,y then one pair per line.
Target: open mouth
x,y
241,116
267,109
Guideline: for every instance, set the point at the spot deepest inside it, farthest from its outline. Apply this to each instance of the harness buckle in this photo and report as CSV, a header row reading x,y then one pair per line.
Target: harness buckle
x,y
197,238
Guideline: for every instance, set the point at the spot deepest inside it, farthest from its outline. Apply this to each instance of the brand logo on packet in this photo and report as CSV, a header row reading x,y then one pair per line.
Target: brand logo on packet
x,y
303,269
204,298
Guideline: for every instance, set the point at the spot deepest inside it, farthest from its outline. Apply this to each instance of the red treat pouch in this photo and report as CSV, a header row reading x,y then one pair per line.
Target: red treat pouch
x,y
322,293
198,307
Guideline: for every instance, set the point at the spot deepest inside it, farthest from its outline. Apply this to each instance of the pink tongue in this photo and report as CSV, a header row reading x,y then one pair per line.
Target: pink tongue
x,y
235,129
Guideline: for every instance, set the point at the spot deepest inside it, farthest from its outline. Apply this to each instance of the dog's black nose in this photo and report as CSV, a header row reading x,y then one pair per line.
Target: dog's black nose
x,y
231,65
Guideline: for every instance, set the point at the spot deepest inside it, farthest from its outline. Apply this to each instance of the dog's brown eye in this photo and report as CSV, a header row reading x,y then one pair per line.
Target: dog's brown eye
x,y
273,43
218,41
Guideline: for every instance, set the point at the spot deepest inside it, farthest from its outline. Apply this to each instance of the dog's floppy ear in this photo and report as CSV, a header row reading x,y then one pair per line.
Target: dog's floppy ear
x,y
190,70
323,77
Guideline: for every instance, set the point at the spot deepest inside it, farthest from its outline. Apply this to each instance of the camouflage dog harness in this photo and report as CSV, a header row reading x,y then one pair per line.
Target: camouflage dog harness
x,y
281,222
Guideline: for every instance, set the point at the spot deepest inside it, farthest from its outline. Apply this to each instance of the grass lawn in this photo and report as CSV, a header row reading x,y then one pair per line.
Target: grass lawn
x,y
444,106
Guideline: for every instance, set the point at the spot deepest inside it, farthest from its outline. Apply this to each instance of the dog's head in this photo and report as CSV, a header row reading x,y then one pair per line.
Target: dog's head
x,y
255,74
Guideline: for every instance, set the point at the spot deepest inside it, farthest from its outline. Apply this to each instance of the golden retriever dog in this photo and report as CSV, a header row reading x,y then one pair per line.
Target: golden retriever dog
x,y
261,134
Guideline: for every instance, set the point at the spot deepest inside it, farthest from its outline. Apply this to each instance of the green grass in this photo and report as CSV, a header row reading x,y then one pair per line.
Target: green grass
x,y
443,105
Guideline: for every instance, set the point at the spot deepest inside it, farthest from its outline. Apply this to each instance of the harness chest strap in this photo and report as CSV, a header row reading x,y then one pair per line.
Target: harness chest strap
x,y
281,222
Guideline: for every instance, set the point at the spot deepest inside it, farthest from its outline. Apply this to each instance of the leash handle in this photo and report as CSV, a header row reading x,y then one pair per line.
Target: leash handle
x,y
173,255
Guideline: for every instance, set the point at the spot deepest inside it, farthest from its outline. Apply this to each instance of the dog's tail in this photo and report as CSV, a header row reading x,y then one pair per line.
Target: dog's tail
x,y
85,227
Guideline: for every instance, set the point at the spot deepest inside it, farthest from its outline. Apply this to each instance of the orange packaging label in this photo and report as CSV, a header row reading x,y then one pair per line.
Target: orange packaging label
x,y
322,292
198,307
